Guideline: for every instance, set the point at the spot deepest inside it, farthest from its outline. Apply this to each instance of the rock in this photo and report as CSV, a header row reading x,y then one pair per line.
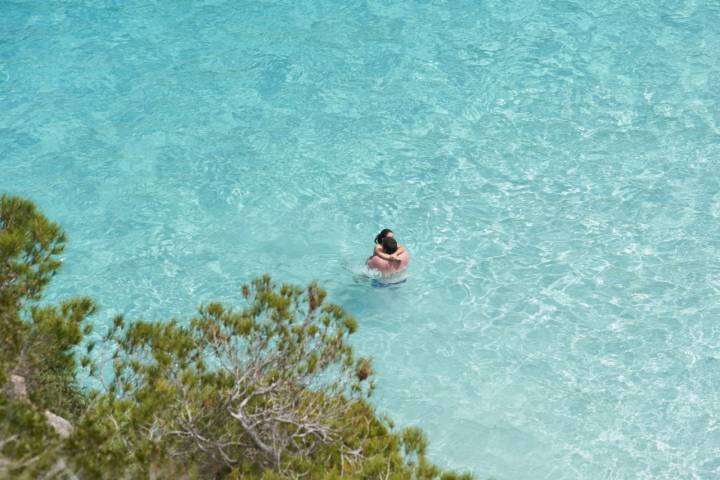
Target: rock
x,y
62,427
18,390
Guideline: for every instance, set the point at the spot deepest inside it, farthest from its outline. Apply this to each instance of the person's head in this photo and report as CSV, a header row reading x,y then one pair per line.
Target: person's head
x,y
385,232
389,245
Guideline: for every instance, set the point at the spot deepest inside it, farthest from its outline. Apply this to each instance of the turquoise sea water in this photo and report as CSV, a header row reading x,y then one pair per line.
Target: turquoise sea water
x,y
552,166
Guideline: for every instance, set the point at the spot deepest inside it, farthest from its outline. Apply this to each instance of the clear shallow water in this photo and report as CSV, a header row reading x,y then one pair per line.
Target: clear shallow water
x,y
552,167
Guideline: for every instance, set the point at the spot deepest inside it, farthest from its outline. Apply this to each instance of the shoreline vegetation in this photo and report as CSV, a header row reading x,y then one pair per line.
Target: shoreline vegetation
x,y
271,390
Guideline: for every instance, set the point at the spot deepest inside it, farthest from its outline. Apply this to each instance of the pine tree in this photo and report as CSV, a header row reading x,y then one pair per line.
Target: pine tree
x,y
270,388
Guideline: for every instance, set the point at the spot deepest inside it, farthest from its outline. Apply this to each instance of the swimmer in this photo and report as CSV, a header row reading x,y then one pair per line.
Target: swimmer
x,y
389,257
380,251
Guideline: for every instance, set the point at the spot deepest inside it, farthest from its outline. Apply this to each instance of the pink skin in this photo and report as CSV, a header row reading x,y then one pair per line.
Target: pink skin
x,y
395,257
388,266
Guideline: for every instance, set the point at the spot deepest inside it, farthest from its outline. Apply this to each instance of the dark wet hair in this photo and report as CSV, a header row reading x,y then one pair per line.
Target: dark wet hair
x,y
389,245
381,236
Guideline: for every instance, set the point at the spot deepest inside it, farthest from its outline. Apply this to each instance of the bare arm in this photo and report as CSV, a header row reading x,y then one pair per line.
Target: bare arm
x,y
386,256
379,252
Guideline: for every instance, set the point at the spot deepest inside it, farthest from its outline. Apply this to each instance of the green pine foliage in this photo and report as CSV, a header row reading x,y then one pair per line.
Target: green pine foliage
x,y
28,445
29,249
269,389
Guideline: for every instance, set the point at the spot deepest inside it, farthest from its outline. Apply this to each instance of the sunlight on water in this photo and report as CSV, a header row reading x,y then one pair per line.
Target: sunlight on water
x,y
552,167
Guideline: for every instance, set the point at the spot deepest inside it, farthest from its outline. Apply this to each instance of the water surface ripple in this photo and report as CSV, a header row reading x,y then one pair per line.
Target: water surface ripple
x,y
552,166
